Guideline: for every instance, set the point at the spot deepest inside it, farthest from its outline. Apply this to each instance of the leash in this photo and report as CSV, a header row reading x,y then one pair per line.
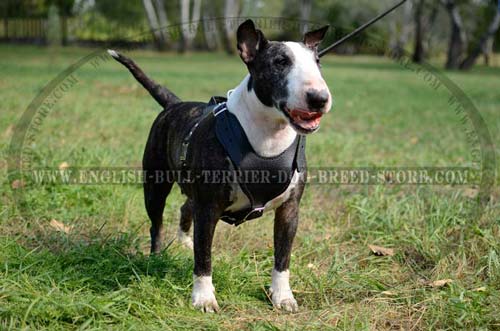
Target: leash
x,y
360,29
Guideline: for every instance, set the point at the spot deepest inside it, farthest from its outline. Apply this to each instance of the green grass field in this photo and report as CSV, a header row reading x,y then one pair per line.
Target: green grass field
x,y
98,275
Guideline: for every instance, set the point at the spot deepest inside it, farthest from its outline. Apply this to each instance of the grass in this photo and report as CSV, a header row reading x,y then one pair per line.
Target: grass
x,y
99,276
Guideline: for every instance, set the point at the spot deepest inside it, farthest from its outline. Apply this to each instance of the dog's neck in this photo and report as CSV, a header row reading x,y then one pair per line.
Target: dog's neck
x,y
268,131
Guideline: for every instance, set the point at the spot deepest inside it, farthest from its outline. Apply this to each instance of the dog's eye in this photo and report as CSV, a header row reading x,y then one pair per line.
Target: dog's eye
x,y
282,61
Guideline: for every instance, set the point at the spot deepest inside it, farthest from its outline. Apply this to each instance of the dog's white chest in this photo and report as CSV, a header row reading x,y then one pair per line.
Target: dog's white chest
x,y
239,200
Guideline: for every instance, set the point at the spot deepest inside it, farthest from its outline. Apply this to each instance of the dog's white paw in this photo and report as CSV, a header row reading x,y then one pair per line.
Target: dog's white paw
x,y
185,239
281,294
204,294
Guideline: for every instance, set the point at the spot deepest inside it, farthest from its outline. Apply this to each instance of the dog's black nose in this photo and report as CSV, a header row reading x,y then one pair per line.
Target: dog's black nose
x,y
317,99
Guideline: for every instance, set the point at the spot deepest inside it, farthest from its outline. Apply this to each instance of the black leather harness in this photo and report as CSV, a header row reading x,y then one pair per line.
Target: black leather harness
x,y
260,178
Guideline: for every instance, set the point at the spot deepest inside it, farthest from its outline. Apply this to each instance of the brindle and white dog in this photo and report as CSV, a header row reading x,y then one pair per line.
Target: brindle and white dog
x,y
284,95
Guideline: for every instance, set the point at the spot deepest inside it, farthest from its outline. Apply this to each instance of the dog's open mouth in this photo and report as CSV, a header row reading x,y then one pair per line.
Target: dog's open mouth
x,y
304,120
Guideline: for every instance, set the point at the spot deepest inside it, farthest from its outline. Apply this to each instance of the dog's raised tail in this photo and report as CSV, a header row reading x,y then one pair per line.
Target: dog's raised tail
x,y
161,94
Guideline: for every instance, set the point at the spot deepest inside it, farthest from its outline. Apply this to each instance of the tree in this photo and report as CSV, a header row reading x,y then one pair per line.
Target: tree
x,y
457,51
30,8
210,29
485,43
418,54
189,23
305,14
231,12
54,34
458,38
400,27
157,20
425,16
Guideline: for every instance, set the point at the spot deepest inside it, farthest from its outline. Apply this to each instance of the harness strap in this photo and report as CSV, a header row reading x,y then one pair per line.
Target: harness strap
x,y
273,174
185,143
238,149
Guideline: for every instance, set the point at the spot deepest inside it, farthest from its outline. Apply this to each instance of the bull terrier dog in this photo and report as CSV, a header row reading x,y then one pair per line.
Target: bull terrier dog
x,y
260,126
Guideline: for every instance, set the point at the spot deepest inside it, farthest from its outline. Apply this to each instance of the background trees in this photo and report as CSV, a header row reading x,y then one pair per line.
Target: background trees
x,y
462,30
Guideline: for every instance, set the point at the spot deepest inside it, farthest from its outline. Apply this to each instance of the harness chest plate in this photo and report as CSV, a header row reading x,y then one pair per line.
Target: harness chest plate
x,y
261,179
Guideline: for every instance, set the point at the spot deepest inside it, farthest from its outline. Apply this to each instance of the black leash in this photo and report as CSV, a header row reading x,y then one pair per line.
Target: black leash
x,y
358,30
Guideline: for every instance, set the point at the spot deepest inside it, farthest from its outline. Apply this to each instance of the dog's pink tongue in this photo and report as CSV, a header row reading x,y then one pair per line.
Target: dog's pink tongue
x,y
306,119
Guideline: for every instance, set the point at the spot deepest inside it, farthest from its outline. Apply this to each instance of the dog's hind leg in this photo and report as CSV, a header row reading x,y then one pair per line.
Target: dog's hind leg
x,y
155,195
185,224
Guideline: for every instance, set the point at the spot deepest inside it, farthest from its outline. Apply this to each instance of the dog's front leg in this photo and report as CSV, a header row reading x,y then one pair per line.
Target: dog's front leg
x,y
203,295
285,226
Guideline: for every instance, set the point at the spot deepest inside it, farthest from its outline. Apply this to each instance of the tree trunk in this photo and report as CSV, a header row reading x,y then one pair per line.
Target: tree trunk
x,y
5,19
400,30
163,21
190,22
418,53
64,30
305,14
429,26
249,8
482,47
210,29
154,24
231,10
488,51
458,40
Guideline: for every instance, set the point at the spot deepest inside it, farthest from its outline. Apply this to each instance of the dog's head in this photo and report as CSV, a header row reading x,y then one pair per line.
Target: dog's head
x,y
286,75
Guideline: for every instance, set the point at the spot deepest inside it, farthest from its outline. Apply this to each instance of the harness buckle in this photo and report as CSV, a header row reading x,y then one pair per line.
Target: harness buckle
x,y
255,213
185,144
184,150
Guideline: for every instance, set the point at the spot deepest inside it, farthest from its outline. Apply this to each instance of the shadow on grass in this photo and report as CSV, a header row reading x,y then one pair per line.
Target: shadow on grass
x,y
108,264
101,265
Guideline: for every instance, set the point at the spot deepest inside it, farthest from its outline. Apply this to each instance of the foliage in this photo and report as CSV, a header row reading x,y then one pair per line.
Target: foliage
x,y
486,10
35,8
123,11
54,35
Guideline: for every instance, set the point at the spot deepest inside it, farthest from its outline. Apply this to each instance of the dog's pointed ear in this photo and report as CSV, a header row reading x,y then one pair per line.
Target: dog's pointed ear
x,y
312,39
250,41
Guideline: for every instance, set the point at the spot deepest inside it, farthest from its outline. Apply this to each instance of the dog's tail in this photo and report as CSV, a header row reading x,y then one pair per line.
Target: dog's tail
x,y
161,94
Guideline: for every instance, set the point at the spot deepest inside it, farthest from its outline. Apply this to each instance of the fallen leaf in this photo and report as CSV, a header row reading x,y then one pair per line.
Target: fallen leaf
x,y
381,251
8,132
310,265
61,227
480,289
441,282
414,140
64,165
17,184
470,193
422,281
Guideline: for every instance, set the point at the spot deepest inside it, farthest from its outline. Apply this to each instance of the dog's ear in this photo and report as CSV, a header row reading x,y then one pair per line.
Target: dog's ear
x,y
250,41
312,39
